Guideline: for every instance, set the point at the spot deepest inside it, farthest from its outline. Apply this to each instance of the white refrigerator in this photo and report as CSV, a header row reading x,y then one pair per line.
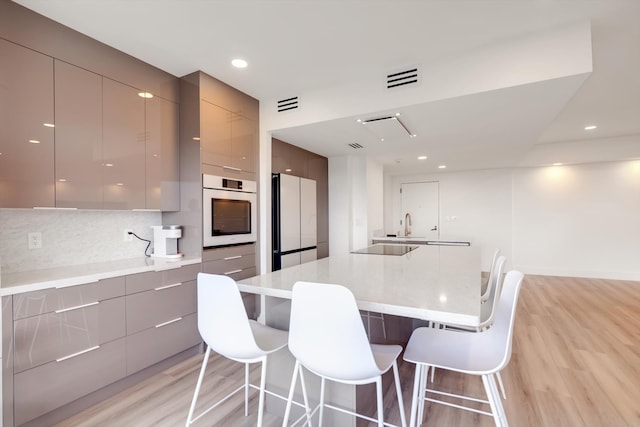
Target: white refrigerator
x,y
294,221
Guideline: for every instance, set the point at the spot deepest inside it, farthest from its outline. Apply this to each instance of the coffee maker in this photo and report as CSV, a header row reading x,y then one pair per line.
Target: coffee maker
x,y
165,241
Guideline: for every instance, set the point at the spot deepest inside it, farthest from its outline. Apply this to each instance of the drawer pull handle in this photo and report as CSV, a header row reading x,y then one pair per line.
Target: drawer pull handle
x,y
167,286
169,322
233,257
232,272
232,168
62,310
62,359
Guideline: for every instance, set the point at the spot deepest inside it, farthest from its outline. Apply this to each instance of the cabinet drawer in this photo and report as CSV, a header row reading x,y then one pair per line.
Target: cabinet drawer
x,y
228,266
228,252
154,279
49,300
47,387
156,344
244,274
150,308
45,338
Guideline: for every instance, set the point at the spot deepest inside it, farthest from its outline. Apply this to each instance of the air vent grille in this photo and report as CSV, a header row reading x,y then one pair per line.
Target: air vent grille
x,y
408,77
355,145
288,104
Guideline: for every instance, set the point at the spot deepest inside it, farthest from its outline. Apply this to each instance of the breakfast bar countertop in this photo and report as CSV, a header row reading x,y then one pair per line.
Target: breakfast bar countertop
x,y
438,283
58,277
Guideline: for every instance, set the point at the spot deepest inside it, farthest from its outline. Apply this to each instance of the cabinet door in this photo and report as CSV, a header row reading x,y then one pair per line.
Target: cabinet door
x,y
162,161
123,136
79,165
244,134
26,128
215,135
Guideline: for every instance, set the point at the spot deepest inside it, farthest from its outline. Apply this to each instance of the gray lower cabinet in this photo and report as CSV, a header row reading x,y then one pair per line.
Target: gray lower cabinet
x,y
161,315
66,343
237,262
72,341
52,385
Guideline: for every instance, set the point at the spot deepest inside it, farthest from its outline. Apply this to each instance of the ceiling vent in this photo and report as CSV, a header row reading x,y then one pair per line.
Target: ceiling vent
x,y
388,128
288,104
355,145
404,78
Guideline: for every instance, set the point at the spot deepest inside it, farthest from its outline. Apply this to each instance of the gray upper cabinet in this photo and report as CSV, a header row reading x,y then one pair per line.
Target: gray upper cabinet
x,y
78,160
244,134
162,157
215,134
227,139
123,148
26,132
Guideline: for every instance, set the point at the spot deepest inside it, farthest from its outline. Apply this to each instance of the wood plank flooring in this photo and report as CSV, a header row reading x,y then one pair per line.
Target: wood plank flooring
x,y
575,362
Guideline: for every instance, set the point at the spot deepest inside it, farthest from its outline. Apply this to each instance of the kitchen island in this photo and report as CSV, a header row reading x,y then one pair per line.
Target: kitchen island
x,y
428,283
435,283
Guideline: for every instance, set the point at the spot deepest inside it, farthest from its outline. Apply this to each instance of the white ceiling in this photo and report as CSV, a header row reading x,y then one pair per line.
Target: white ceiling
x,y
297,46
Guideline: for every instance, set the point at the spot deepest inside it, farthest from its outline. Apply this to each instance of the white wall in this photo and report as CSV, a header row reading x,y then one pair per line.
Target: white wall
x,y
581,220
578,221
71,237
355,202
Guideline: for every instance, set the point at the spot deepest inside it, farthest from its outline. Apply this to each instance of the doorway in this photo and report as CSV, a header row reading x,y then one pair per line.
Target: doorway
x,y
420,209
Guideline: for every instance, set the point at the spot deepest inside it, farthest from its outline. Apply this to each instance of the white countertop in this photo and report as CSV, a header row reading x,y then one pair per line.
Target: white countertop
x,y
438,283
34,280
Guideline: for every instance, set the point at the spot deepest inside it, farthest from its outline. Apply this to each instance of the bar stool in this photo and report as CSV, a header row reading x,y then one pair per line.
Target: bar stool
x,y
226,329
327,337
483,353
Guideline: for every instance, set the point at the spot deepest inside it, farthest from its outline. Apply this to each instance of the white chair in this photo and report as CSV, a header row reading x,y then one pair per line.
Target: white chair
x,y
491,280
226,329
484,353
327,337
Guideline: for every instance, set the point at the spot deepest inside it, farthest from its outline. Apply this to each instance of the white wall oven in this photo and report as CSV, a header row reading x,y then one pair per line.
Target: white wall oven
x,y
229,210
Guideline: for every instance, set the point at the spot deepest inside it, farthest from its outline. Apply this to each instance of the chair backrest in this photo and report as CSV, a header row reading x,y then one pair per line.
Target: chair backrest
x,y
499,337
492,274
222,318
488,309
326,333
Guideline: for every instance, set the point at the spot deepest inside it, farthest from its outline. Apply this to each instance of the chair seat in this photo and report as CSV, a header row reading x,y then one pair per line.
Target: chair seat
x,y
385,355
267,338
452,350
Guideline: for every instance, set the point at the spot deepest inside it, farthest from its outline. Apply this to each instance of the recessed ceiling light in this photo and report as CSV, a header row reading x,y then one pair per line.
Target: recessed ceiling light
x,y
422,157
119,184
557,164
397,114
442,167
49,125
62,180
359,120
590,127
239,63
145,95
412,135
287,170
196,138
108,164
34,141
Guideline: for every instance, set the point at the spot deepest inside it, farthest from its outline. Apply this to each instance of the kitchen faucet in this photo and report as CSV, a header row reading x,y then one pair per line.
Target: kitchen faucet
x,y
407,224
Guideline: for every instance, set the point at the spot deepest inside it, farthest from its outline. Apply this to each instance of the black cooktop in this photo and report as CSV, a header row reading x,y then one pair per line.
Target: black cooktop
x,y
382,249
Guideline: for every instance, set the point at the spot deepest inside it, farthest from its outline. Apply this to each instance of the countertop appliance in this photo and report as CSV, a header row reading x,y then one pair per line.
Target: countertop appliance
x,y
229,211
294,221
165,241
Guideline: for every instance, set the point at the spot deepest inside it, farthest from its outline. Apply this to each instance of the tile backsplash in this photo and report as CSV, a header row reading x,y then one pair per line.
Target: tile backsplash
x,y
71,237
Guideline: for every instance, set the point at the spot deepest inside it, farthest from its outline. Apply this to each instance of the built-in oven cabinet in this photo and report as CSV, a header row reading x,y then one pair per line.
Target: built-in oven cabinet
x,y
237,262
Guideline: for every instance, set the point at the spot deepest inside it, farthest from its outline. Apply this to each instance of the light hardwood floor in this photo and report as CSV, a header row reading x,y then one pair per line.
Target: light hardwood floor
x,y
575,362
